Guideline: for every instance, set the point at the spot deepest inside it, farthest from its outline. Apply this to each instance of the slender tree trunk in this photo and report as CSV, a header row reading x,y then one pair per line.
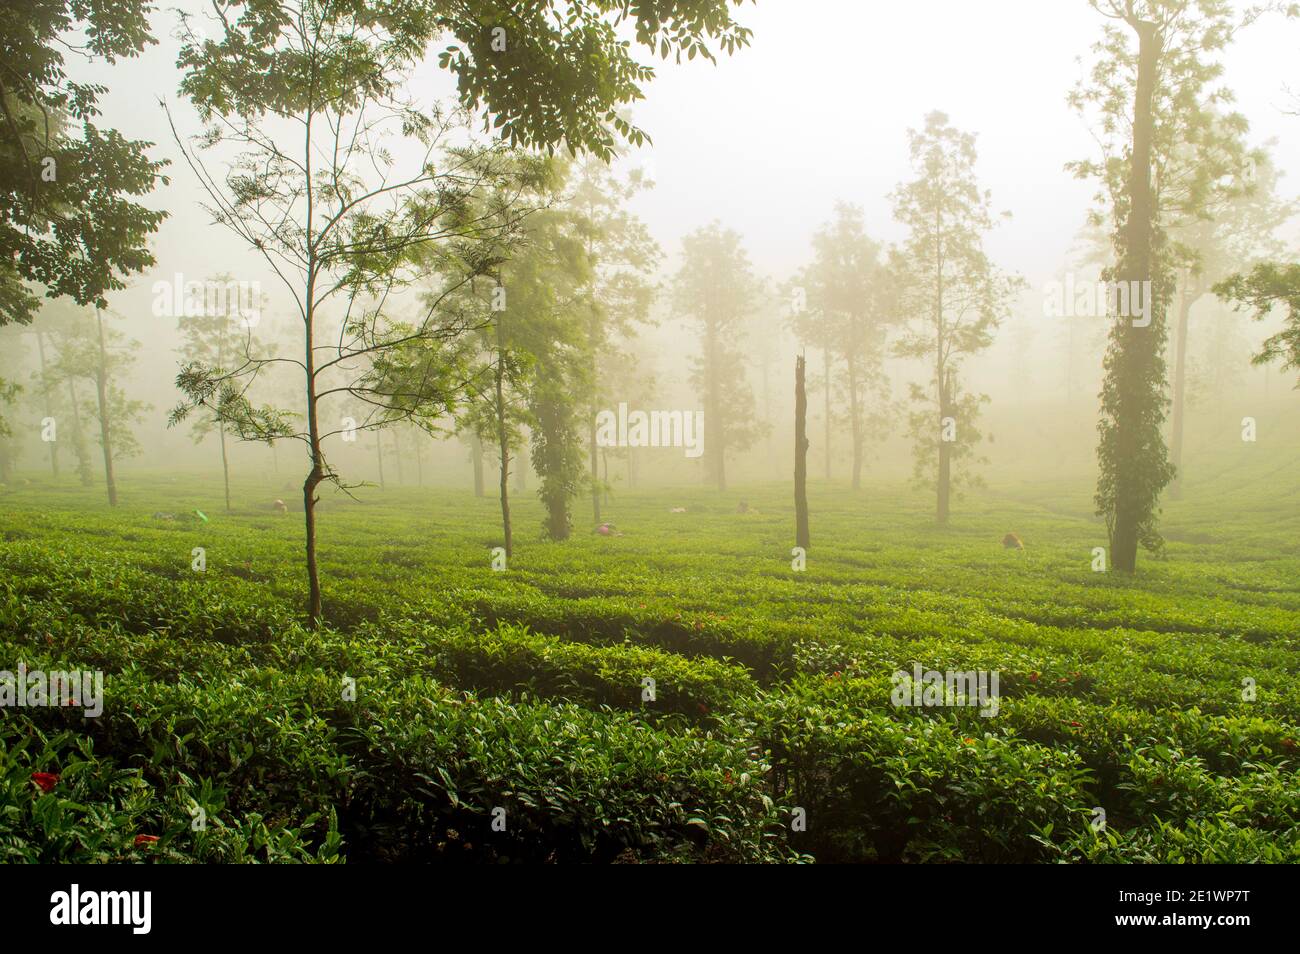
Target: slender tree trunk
x,y
767,413
49,412
1186,298
1136,345
476,453
225,463
595,474
379,456
503,442
801,533
855,415
315,476
826,382
221,426
105,425
604,457
713,415
944,483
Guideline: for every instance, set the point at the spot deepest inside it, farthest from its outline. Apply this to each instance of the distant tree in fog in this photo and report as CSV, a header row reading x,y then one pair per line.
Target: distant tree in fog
x,y
950,294
850,308
715,289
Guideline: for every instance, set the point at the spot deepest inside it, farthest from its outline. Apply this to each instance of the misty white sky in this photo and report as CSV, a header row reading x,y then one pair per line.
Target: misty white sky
x,y
815,110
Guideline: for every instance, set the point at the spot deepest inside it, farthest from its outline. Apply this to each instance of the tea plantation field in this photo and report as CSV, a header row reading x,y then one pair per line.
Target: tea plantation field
x,y
452,712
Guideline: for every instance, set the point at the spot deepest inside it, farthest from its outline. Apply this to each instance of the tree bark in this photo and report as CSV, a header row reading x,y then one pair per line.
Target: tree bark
x,y
105,426
503,441
944,488
1137,348
801,533
225,463
855,422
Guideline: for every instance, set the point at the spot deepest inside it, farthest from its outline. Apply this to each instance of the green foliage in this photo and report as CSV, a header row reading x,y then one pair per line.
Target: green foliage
x,y
67,219
950,295
716,289
478,690
1265,287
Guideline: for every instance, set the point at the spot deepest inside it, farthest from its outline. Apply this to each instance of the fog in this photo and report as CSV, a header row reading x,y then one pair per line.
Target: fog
x,y
814,112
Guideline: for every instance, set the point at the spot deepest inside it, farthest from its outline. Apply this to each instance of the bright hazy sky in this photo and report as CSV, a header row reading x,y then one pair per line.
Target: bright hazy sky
x,y
815,110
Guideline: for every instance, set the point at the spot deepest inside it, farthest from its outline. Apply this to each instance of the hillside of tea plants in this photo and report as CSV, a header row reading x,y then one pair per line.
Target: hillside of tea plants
x,y
452,712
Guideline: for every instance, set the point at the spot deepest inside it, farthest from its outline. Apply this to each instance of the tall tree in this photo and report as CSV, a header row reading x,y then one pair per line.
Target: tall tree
x,y
849,291
716,288
540,74
99,354
1152,85
214,337
347,226
621,256
950,293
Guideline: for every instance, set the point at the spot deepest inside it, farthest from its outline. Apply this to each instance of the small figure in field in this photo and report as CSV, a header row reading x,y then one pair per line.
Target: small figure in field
x,y
1012,542
608,530
279,505
743,507
678,510
164,516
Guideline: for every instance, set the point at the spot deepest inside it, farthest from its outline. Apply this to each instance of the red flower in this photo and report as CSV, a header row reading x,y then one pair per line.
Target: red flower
x,y
1033,677
703,708
45,780
969,741
1077,725
142,840
1288,743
